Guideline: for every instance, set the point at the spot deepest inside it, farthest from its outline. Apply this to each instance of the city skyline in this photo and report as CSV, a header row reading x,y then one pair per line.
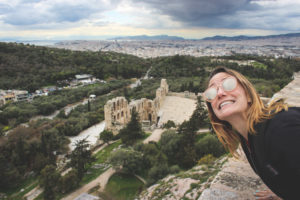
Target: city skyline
x,y
102,19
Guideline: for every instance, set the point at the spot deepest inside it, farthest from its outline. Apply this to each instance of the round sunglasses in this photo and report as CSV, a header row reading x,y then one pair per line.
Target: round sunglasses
x,y
228,84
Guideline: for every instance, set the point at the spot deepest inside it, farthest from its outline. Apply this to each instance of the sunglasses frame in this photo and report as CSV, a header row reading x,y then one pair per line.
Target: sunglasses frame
x,y
217,88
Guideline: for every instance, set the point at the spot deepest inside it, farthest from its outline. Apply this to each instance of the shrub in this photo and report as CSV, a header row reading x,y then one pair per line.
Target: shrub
x,y
69,181
209,145
174,169
207,159
169,124
157,172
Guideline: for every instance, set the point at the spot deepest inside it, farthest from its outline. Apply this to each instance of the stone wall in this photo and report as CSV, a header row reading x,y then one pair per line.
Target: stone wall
x,y
117,111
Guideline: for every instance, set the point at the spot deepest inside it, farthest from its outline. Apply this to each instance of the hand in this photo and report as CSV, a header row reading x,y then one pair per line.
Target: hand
x,y
266,195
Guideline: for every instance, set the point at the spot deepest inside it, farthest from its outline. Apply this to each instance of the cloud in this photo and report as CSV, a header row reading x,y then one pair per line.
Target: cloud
x,y
236,14
30,13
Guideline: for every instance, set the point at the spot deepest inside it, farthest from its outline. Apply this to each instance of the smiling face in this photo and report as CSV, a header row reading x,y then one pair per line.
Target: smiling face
x,y
228,105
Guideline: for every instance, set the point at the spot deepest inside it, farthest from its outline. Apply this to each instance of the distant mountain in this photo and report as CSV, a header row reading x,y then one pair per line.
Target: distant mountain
x,y
146,37
244,37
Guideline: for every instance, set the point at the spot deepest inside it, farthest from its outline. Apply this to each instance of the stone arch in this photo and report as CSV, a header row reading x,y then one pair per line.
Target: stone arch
x,y
150,117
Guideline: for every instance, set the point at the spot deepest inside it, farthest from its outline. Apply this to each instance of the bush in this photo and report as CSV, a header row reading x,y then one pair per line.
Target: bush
x,y
169,124
207,159
174,169
170,144
157,172
69,181
209,145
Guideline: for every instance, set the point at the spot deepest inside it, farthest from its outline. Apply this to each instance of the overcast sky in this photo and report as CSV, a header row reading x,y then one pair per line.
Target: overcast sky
x,y
97,19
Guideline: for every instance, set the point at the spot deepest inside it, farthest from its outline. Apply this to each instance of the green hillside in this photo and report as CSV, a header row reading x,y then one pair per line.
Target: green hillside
x,y
31,67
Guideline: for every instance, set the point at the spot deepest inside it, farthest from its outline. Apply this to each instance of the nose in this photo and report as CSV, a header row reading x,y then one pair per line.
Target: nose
x,y
220,92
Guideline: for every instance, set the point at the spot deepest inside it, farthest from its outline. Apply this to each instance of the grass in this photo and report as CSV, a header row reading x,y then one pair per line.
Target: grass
x,y
123,187
101,158
16,193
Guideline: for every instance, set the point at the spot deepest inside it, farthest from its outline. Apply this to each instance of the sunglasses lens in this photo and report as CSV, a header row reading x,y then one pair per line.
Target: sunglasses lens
x,y
229,84
210,94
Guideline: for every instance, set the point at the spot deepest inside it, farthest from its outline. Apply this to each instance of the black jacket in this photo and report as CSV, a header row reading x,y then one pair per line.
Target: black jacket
x,y
274,153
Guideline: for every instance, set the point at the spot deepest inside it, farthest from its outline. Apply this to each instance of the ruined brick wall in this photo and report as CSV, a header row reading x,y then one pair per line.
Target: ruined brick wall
x,y
117,111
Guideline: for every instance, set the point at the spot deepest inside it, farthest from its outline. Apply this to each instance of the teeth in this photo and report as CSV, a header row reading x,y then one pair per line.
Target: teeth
x,y
225,103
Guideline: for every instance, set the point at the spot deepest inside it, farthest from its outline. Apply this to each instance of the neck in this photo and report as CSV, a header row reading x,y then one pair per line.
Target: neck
x,y
240,125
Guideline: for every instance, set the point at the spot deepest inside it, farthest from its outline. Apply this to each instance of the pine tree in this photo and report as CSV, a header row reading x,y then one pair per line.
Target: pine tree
x,y
81,157
132,131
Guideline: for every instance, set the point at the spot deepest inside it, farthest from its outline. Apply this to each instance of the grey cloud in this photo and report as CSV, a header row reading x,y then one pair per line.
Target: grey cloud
x,y
195,11
224,13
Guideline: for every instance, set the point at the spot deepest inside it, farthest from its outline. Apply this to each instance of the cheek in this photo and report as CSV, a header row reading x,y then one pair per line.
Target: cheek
x,y
214,107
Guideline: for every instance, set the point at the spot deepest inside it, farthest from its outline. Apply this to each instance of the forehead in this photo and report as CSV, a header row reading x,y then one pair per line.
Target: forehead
x,y
219,77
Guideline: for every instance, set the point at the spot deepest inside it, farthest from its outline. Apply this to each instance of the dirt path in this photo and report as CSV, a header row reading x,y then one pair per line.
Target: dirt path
x,y
100,181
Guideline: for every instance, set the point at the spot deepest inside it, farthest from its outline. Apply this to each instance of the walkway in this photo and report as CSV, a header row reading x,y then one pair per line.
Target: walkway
x,y
100,181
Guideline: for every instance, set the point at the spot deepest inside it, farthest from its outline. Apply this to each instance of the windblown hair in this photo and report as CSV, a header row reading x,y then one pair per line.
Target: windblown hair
x,y
257,112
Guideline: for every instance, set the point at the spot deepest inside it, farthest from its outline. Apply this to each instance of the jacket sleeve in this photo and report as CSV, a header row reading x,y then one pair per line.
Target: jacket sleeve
x,y
283,136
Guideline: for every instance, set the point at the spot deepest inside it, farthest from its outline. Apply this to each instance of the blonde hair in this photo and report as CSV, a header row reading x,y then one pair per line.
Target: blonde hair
x,y
257,112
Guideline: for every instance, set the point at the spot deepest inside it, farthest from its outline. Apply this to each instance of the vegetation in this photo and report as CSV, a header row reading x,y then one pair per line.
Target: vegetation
x,y
31,152
32,67
15,113
132,131
176,150
106,136
81,156
190,73
169,124
122,187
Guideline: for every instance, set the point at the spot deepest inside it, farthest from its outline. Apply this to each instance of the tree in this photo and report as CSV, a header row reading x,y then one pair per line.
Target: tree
x,y
106,136
170,145
9,175
186,155
169,124
48,180
89,106
209,145
132,131
81,157
157,172
69,181
128,160
199,117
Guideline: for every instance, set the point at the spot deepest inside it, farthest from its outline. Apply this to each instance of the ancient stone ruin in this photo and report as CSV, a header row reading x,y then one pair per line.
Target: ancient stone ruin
x,y
117,111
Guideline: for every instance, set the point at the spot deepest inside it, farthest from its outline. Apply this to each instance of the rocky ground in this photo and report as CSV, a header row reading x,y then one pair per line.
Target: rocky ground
x,y
184,185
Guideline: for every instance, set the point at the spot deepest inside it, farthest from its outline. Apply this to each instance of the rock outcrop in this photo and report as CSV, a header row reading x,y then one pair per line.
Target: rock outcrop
x,y
184,185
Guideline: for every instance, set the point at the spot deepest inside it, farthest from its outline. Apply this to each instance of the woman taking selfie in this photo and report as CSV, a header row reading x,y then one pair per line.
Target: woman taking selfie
x,y
269,135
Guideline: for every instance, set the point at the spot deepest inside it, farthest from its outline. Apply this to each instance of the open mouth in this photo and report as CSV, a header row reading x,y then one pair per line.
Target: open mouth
x,y
226,103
